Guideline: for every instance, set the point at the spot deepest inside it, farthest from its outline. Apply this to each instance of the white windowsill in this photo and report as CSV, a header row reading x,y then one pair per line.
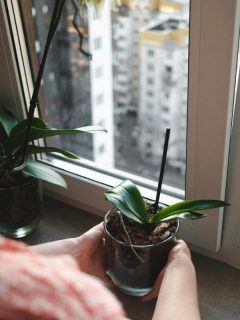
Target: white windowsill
x,y
94,175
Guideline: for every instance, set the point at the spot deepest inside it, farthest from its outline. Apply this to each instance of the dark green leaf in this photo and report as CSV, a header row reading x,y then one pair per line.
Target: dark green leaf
x,y
44,172
121,206
38,133
186,206
36,149
36,122
7,119
132,198
132,189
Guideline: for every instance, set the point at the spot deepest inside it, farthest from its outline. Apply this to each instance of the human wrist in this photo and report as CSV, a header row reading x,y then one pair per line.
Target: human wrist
x,y
60,247
76,247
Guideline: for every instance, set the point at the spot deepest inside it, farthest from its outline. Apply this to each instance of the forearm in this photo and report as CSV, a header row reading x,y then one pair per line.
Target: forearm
x,y
60,247
177,298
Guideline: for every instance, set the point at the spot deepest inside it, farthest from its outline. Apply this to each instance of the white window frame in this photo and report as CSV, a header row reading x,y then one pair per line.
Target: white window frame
x,y
211,69
212,65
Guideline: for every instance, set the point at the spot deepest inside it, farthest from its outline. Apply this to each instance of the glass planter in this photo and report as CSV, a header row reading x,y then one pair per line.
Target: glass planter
x,y
20,208
131,275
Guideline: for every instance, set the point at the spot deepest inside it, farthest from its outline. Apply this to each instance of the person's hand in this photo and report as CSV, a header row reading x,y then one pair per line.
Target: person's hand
x,y
88,250
179,256
91,253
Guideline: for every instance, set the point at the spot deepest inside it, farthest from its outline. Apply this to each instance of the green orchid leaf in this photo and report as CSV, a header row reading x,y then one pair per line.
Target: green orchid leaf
x,y
132,198
186,206
22,125
92,129
117,201
186,216
39,133
7,119
127,199
36,149
43,172
132,189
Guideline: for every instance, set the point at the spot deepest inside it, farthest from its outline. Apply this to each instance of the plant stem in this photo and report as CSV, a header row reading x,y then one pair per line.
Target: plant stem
x,y
76,27
57,11
164,156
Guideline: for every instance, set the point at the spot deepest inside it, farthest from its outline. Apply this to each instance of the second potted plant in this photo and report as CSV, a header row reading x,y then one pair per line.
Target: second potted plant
x,y
20,191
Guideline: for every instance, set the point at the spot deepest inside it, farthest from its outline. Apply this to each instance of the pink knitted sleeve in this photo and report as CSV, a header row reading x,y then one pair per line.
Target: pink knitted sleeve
x,y
33,286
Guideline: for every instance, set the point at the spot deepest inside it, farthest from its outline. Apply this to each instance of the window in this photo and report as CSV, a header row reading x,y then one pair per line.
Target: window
x,y
148,145
165,109
206,77
150,130
169,69
97,43
51,76
101,123
99,72
37,46
150,81
150,67
150,52
101,149
150,93
149,105
45,9
99,99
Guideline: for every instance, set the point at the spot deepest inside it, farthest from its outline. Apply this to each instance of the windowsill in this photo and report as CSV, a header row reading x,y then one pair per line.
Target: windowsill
x,y
218,283
108,177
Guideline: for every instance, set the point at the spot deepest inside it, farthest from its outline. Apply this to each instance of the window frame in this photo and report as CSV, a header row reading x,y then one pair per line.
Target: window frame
x,y
83,191
208,75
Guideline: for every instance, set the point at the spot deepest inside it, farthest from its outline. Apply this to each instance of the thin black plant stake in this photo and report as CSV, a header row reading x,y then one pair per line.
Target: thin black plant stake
x,y
57,11
56,16
164,156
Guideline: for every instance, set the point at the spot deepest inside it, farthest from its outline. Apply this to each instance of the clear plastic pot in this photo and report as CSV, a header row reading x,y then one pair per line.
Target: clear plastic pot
x,y
20,208
132,275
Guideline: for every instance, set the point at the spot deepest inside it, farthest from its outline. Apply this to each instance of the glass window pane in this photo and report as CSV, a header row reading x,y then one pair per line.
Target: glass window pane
x,y
135,85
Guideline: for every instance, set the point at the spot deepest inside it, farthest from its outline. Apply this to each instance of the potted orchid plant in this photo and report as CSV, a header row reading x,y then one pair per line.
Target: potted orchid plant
x,y
139,235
